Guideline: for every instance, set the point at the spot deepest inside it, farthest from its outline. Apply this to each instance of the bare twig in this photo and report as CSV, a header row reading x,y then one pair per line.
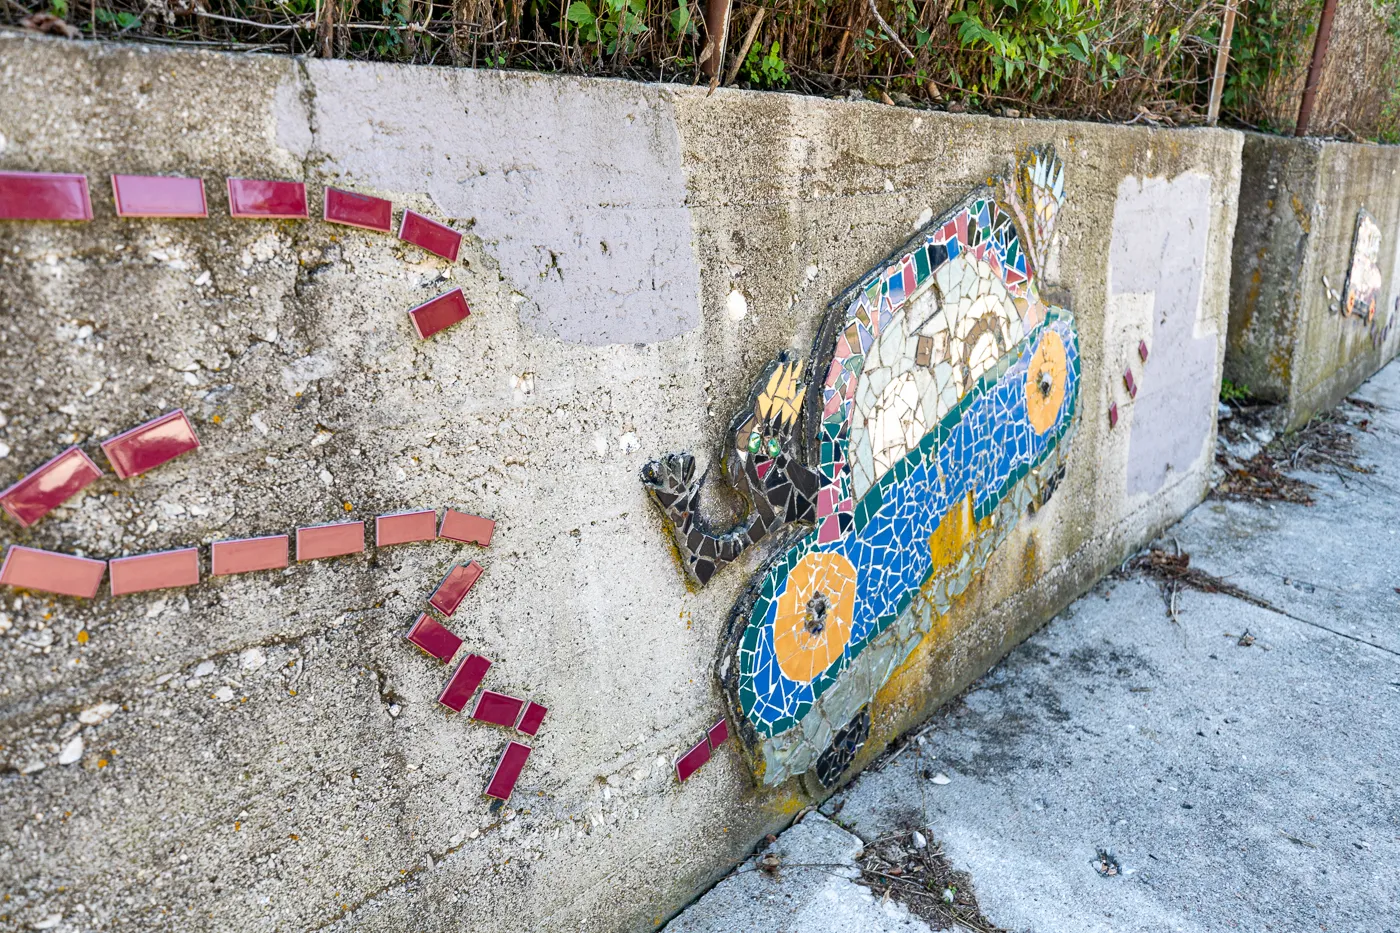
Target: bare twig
x,y
744,46
890,32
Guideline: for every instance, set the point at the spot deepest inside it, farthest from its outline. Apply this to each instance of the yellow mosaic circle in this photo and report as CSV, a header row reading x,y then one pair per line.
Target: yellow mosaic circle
x,y
813,625
1045,382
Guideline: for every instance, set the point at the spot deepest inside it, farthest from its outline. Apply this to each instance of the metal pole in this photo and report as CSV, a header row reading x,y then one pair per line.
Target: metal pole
x,y
1319,55
1222,61
717,26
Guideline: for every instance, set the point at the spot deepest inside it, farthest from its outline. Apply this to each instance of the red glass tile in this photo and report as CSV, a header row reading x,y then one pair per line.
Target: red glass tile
x,y
147,446
43,196
471,529
508,771
50,572
439,314
498,709
317,541
534,715
436,238
463,682
1142,350
159,196
690,762
359,210
454,587
155,571
270,200
718,733
403,527
48,487
244,555
1113,414
1130,383
430,635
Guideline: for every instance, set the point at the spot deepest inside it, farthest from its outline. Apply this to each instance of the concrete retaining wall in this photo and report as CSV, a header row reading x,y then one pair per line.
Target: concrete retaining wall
x,y
1292,338
272,755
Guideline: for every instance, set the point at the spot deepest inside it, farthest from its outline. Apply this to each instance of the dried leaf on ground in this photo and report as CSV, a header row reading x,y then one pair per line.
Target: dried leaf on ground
x,y
923,880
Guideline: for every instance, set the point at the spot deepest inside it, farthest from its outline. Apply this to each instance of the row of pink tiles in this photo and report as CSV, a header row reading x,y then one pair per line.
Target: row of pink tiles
x,y
437,641
49,196
70,575
130,453
690,762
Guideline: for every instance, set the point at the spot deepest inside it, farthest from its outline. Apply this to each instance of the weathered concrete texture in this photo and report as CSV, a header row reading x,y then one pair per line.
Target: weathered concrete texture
x,y
1299,199
276,759
1240,787
813,890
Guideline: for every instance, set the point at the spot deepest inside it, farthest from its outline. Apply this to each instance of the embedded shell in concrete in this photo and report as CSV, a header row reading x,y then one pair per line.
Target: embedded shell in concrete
x,y
275,733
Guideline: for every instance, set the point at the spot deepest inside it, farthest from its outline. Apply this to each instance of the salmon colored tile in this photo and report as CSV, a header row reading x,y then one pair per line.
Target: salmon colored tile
x,y
429,634
48,487
267,200
690,762
403,527
1142,350
149,445
358,210
463,682
44,196
498,709
319,541
439,314
718,733
245,555
508,771
470,529
1130,382
51,572
436,238
1113,414
534,716
454,587
159,196
157,571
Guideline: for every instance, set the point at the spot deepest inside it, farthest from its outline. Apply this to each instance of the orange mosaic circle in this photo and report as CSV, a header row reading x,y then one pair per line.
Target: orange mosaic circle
x,y
1045,382
813,624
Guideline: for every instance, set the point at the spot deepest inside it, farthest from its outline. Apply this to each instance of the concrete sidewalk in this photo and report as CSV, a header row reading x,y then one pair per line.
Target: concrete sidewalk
x,y
1240,785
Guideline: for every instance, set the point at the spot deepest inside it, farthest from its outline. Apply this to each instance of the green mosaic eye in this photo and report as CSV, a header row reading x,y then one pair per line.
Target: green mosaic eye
x,y
774,448
755,442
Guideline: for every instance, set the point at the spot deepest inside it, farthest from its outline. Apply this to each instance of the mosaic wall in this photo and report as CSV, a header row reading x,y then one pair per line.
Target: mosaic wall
x,y
1364,278
946,398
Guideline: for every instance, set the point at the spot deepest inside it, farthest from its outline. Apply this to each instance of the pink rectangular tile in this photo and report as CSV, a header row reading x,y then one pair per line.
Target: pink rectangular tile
x,y
403,527
1142,350
534,715
244,555
498,709
1113,414
436,238
50,572
439,314
690,762
48,487
159,196
154,571
358,210
44,196
429,634
269,200
454,587
463,682
508,771
471,529
1130,383
148,445
317,541
718,733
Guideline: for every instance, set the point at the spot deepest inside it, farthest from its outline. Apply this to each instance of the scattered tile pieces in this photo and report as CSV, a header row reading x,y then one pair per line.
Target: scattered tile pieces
x,y
439,314
316,542
267,200
718,733
454,587
50,572
533,718
149,445
48,487
245,555
469,529
157,571
498,709
463,682
437,238
159,196
508,771
44,196
429,634
690,762
405,527
358,210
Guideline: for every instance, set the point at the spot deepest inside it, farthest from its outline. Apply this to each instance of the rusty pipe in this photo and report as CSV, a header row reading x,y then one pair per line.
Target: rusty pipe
x,y
717,29
1319,57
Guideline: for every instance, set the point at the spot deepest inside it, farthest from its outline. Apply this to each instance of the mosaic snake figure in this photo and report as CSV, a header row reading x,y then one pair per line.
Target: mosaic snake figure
x,y
948,395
